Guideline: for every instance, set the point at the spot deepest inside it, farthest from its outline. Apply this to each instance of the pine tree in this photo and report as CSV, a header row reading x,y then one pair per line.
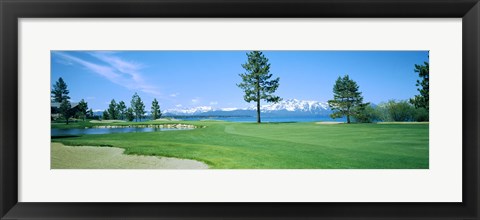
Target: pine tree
x,y
60,95
65,110
137,106
105,115
122,110
256,81
130,115
347,99
82,109
422,100
60,91
156,113
113,110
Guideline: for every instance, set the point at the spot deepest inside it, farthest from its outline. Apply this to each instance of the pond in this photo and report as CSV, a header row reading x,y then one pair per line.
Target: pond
x,y
81,131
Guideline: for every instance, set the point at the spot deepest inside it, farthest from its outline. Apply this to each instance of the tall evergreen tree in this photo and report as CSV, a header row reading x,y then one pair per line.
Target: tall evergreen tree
x,y
122,110
60,94
82,109
256,82
137,106
113,110
422,100
105,115
156,113
130,115
65,110
347,99
60,91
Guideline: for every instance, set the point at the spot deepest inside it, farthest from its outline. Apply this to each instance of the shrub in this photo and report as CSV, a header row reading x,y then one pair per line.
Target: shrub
x,y
421,114
396,111
366,114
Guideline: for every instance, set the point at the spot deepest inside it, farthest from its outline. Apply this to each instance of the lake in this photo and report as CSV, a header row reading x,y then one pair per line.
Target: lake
x,y
84,131
264,119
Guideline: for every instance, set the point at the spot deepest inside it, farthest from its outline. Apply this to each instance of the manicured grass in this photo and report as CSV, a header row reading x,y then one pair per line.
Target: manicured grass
x,y
279,145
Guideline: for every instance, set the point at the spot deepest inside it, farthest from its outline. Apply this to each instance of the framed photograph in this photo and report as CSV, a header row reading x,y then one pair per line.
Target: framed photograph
x,y
225,109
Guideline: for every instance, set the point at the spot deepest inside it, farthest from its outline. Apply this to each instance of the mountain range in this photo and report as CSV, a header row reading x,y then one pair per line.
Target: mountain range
x,y
289,107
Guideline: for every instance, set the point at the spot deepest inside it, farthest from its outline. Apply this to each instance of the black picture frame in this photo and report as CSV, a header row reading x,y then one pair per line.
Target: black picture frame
x,y
12,10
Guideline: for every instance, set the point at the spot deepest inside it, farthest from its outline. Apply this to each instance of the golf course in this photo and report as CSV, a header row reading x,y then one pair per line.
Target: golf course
x,y
242,145
240,109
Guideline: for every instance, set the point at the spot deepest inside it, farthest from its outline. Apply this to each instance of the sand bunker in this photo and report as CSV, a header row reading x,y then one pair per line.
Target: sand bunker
x,y
87,157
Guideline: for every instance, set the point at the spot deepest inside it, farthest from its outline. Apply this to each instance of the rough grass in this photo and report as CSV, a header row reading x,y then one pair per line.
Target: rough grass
x,y
279,145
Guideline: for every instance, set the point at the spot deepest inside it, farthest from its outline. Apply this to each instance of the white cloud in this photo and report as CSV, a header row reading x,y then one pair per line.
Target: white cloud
x,y
129,68
64,62
178,106
116,70
214,103
195,100
174,94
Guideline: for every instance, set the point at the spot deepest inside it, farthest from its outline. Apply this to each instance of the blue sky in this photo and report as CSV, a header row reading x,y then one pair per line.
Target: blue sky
x,y
184,79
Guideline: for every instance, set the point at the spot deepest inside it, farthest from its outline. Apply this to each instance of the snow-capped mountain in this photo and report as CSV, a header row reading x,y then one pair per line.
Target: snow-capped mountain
x,y
189,111
292,105
286,107
229,109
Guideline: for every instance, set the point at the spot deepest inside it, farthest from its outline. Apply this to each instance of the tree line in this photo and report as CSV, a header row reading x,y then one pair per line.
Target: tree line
x,y
136,111
120,111
347,99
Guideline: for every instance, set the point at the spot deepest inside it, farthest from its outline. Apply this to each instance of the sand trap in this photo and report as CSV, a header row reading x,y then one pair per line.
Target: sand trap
x,y
87,157
328,123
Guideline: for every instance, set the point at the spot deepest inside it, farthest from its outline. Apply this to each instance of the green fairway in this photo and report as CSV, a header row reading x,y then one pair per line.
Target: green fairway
x,y
275,145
